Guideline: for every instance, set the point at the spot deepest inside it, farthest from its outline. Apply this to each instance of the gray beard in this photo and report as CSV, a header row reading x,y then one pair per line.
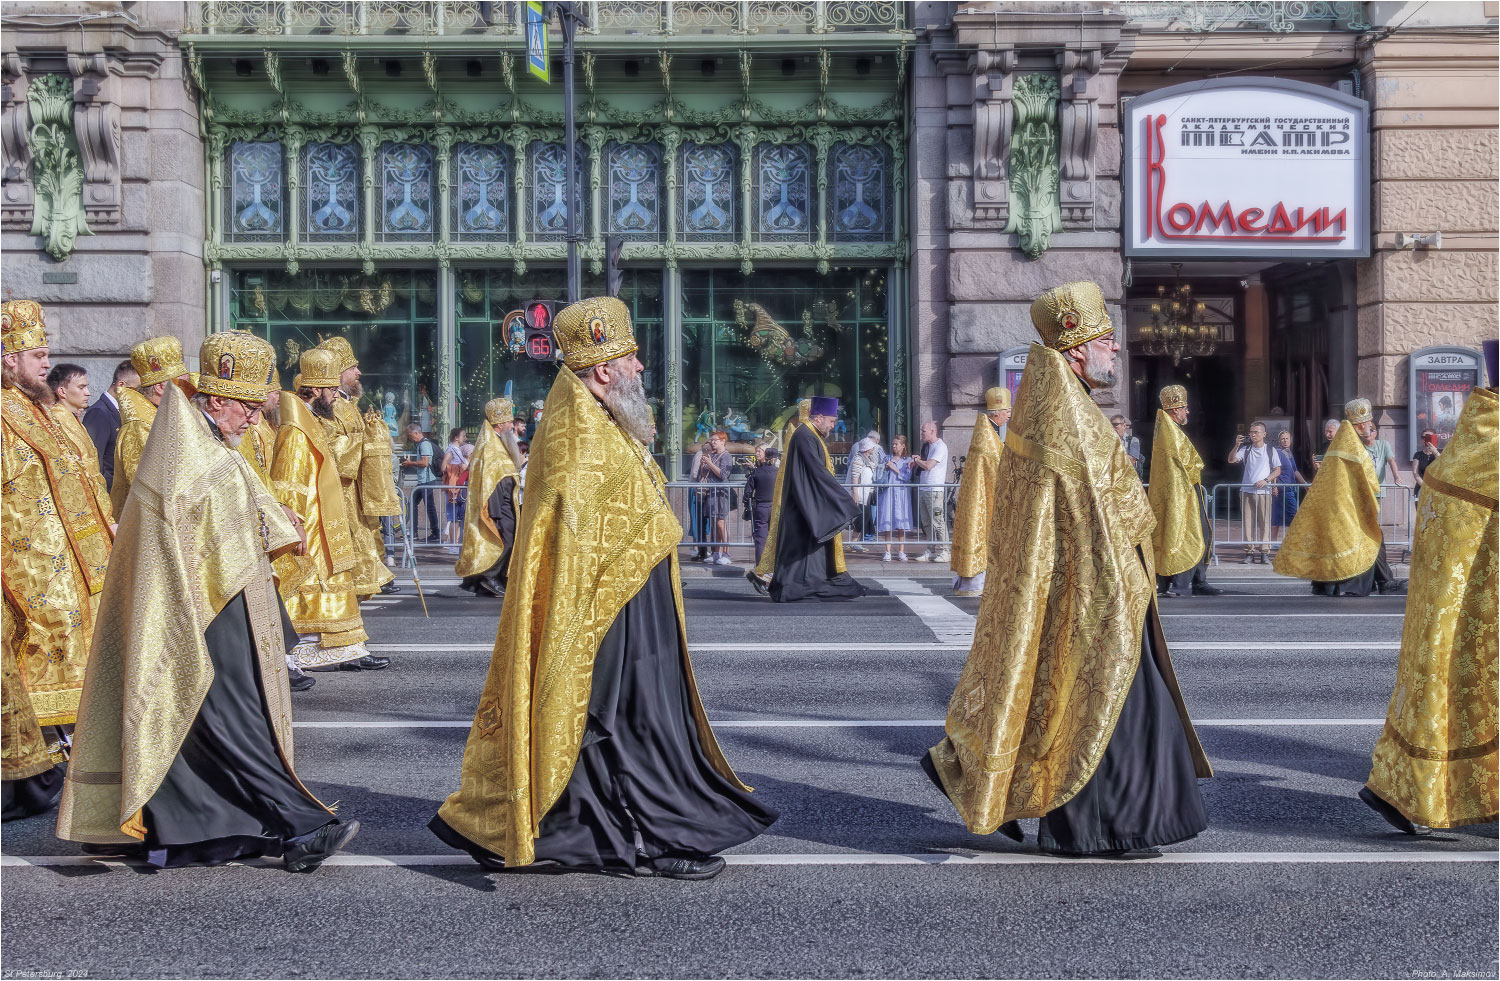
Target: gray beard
x,y
1099,372
512,446
626,399
354,390
232,441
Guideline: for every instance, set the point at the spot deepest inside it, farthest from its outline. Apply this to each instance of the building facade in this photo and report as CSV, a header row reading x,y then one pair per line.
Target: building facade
x,y
858,199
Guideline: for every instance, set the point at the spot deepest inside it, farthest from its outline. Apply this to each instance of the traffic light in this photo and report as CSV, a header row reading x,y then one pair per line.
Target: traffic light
x,y
540,345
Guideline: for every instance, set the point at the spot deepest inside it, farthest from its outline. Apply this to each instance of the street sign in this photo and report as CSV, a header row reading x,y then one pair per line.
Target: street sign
x,y
538,61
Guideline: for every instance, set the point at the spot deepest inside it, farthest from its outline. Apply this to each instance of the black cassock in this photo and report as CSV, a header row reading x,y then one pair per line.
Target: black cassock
x,y
229,793
1367,582
502,509
642,787
814,509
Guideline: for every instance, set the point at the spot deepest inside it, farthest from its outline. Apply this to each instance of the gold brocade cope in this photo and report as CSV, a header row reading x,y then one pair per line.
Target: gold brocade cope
x,y
1436,760
54,546
1058,638
195,533
88,454
378,497
257,446
1176,474
136,413
976,499
1336,532
318,587
483,546
595,524
346,438
24,751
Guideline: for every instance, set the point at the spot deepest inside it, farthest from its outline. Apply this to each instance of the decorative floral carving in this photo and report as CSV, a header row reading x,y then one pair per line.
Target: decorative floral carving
x,y
1034,211
56,173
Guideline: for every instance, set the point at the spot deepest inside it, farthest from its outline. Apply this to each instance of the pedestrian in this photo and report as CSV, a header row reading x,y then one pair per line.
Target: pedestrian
x,y
813,510
932,474
494,503
976,494
1336,541
1330,429
760,576
185,752
102,420
1067,708
423,462
1423,457
760,495
590,749
696,526
318,586
158,363
52,584
1286,496
864,459
1132,445
1183,536
1258,472
455,476
893,510
69,385
714,466
1433,766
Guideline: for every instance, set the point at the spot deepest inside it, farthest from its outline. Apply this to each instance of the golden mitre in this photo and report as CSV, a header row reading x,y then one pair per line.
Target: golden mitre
x,y
320,369
594,331
1358,411
499,410
1071,314
236,365
996,399
22,326
342,351
1174,397
157,360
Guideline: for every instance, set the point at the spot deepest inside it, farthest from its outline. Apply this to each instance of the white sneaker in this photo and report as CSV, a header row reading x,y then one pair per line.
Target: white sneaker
x,y
722,559
886,557
924,557
901,557
856,548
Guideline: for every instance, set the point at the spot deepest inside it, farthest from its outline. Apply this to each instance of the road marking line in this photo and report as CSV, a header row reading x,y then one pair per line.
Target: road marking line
x,y
947,622
812,723
790,647
1411,857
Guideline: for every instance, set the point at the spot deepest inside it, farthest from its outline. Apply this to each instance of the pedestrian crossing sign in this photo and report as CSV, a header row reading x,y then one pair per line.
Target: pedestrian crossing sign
x,y
537,60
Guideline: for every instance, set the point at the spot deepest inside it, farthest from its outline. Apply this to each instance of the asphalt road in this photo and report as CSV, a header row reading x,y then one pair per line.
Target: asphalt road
x,y
825,709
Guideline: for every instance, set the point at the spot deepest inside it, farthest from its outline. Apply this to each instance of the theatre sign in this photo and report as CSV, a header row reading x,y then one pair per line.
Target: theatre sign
x,y
1247,168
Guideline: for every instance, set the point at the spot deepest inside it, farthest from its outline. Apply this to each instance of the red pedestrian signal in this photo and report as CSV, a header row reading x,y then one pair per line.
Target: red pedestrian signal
x,y
539,315
540,345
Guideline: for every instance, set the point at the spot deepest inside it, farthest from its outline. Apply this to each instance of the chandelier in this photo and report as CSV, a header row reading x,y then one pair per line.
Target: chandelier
x,y
1177,328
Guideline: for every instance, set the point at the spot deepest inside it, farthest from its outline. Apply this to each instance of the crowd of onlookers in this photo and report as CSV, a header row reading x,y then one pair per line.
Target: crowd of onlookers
x,y
443,478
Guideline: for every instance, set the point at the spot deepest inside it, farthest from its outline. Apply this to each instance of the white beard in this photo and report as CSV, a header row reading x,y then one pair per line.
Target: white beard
x,y
233,441
626,399
1099,371
512,446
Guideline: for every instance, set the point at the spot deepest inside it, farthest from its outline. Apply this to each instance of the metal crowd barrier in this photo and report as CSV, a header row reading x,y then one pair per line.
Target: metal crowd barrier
x,y
1227,518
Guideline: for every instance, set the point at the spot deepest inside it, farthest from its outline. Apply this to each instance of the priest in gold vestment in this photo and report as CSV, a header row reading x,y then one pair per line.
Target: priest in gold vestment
x,y
976,494
494,503
318,587
54,547
1068,708
1336,540
1182,536
369,492
1436,764
590,748
159,362
184,743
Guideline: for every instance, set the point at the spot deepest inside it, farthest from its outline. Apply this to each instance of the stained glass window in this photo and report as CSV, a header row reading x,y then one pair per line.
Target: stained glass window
x,y
782,192
331,195
859,199
548,218
481,208
634,184
405,192
255,198
709,190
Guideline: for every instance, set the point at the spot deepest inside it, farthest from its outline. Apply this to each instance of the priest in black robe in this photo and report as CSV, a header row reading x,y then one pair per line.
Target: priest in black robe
x,y
813,510
590,750
183,750
1068,709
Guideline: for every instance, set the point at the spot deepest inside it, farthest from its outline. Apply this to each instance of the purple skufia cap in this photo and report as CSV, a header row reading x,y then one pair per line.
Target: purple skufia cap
x,y
1491,357
823,405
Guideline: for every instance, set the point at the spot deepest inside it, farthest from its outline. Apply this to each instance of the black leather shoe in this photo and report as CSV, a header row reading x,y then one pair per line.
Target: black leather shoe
x,y
1392,816
1207,590
682,867
300,681
318,847
1393,586
757,582
389,588
367,663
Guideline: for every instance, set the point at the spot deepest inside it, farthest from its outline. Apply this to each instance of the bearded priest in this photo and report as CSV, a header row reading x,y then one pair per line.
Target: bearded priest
x,y
590,749
1068,708
494,502
184,741
1182,536
760,576
158,362
810,512
976,494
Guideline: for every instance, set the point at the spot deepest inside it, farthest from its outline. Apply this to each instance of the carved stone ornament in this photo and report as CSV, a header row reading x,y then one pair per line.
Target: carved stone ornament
x,y
1034,213
993,120
96,124
1078,124
15,130
56,174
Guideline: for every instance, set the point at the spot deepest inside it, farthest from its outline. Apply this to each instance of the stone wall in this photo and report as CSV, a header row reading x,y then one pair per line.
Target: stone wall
x,y
135,116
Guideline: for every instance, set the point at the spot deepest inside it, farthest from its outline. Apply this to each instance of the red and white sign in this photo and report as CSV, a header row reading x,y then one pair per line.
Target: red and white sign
x,y
1239,168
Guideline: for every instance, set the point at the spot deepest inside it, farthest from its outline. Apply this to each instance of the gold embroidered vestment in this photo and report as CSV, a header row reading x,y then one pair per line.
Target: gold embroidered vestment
x,y
488,468
976,499
1336,532
136,413
1436,760
1176,479
1058,638
596,522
